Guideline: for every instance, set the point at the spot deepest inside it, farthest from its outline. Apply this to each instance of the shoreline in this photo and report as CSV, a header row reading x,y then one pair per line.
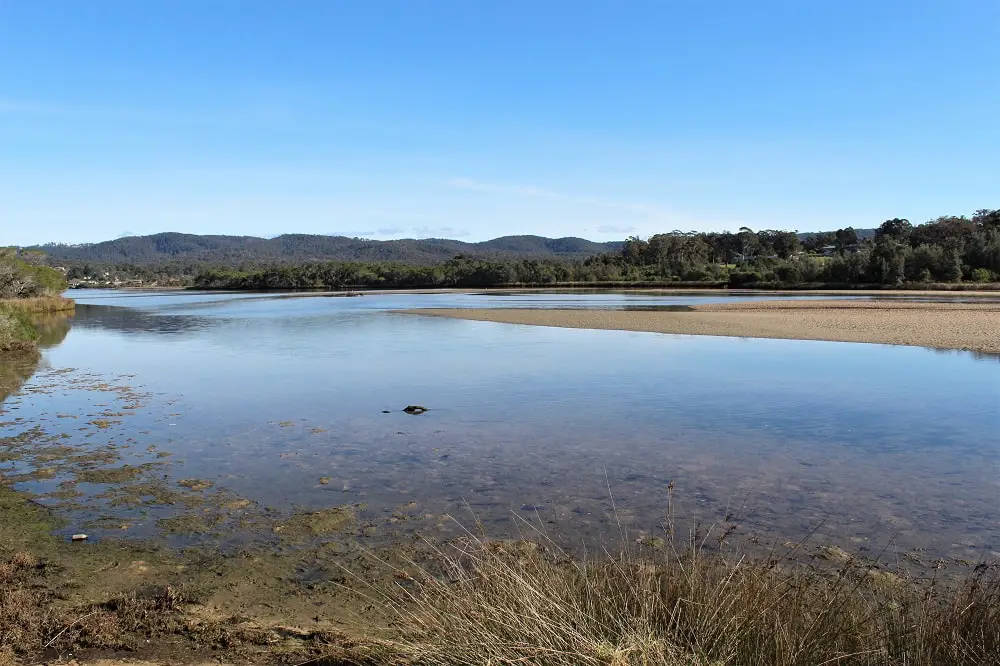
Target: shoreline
x,y
971,327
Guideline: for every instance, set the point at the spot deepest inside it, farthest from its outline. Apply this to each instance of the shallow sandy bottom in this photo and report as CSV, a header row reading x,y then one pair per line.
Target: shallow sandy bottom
x,y
963,326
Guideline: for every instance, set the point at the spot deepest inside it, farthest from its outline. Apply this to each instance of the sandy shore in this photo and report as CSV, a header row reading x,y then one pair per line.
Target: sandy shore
x,y
965,326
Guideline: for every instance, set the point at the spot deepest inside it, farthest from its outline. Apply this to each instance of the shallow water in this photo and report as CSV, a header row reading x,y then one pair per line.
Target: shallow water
x,y
281,400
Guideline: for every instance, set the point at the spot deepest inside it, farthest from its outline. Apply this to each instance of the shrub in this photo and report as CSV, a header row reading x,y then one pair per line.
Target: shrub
x,y
981,275
744,278
790,273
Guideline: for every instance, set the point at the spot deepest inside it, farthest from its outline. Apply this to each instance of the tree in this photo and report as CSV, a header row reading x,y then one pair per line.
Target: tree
x,y
817,241
896,228
888,260
749,243
846,238
986,218
785,243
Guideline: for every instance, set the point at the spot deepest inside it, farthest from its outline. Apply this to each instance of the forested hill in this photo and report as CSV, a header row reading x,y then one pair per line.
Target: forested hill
x,y
297,248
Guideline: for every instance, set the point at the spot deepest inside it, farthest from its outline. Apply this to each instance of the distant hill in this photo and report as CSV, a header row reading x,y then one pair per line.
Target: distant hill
x,y
166,247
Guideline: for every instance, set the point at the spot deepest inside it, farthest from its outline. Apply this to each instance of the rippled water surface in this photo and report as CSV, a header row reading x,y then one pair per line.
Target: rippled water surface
x,y
283,401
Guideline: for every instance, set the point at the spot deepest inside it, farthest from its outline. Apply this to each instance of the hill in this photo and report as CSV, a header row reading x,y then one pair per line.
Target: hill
x,y
166,247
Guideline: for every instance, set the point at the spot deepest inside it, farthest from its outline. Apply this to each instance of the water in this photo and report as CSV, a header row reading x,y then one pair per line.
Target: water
x,y
281,400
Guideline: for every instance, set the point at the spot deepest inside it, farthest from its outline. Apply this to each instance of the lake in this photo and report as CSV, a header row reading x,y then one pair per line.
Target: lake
x,y
285,403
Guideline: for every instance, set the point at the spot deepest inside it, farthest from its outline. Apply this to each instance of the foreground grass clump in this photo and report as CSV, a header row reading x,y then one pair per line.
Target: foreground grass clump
x,y
501,605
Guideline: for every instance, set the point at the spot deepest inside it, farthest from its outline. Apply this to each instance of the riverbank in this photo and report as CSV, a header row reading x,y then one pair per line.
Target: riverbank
x,y
960,326
18,331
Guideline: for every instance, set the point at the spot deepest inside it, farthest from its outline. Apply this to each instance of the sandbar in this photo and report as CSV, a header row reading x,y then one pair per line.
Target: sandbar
x,y
962,326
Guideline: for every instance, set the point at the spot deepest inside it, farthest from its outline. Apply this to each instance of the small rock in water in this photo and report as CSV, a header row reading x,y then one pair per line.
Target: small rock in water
x,y
387,411
79,537
415,409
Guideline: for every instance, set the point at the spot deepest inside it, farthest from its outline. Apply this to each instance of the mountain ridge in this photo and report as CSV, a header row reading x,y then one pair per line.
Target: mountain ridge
x,y
176,246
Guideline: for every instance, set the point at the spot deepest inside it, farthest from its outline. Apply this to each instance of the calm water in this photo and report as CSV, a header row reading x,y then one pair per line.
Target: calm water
x,y
280,400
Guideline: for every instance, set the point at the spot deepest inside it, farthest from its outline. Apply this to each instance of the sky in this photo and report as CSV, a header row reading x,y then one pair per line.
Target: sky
x,y
471,119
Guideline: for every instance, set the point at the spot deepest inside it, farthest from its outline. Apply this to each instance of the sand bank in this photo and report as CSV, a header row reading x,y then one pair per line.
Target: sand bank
x,y
965,326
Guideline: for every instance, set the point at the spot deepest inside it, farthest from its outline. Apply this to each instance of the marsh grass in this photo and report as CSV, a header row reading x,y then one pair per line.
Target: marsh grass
x,y
18,332
527,602
38,304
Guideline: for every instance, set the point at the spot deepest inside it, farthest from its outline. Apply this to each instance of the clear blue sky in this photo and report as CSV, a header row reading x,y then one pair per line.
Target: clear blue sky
x,y
473,119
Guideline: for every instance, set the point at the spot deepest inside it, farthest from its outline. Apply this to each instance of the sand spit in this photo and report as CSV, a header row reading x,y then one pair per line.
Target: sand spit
x,y
963,326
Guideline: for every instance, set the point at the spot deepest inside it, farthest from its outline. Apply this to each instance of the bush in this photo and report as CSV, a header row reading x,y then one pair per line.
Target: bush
x,y
744,278
981,275
790,273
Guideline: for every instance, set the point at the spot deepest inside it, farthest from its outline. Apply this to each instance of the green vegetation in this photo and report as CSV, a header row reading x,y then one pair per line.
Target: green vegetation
x,y
28,289
17,334
24,275
945,250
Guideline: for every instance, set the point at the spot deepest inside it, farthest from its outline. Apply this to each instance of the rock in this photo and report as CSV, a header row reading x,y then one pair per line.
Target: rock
x,y
415,409
387,411
79,537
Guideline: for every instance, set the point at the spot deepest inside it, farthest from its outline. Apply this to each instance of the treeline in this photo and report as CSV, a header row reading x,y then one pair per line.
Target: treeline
x,y
948,249
458,272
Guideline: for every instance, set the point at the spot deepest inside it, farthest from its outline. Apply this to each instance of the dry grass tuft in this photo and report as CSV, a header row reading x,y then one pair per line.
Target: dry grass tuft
x,y
23,560
39,304
504,605
31,619
7,656
26,610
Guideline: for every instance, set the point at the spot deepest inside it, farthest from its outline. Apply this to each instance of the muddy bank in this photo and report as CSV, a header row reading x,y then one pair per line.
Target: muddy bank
x,y
961,326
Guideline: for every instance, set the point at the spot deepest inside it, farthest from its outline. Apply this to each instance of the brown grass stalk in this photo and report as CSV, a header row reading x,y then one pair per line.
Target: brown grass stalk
x,y
522,603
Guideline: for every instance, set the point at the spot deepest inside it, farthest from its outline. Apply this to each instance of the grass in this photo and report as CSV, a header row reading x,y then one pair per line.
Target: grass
x,y
18,333
38,304
503,603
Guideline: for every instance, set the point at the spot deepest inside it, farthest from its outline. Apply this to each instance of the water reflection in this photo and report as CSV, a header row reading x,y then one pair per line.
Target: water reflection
x,y
133,320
